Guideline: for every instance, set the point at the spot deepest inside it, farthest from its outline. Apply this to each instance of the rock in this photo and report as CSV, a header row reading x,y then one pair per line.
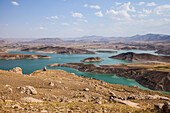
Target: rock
x,y
44,111
166,107
16,70
8,100
92,59
51,84
126,102
30,99
86,89
16,106
10,90
158,106
31,90
45,69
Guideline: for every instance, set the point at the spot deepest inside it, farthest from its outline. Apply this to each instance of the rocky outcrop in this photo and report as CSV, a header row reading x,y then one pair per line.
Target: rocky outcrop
x,y
107,51
152,79
12,56
130,56
57,49
92,59
163,51
16,70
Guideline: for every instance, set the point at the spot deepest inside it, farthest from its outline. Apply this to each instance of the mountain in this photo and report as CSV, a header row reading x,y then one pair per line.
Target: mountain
x,y
149,37
48,40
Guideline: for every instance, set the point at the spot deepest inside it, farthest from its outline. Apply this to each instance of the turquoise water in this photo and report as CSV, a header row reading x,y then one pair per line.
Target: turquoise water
x,y
29,66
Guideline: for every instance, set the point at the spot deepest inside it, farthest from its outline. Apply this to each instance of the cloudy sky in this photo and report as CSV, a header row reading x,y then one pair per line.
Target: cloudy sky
x,y
75,18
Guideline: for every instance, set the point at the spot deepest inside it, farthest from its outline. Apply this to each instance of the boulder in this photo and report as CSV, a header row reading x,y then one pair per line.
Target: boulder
x,y
30,99
166,107
126,102
28,90
45,69
16,70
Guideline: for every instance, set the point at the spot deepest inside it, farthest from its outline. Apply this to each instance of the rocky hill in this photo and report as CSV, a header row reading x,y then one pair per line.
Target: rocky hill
x,y
13,56
151,75
130,56
57,49
59,91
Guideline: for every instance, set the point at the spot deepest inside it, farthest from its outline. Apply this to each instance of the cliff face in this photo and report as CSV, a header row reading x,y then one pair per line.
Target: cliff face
x,y
21,56
92,59
57,49
152,79
130,56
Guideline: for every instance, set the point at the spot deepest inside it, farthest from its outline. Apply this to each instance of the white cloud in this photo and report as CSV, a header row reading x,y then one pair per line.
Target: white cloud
x,y
118,3
141,3
54,17
118,15
85,5
126,7
82,20
163,10
122,12
79,15
99,14
92,6
42,28
151,4
15,3
147,11
65,24
144,13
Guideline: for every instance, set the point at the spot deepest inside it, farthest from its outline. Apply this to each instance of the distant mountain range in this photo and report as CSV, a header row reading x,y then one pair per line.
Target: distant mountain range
x,y
95,39
147,37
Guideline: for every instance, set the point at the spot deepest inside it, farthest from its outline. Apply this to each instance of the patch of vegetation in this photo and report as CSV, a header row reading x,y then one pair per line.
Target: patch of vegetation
x,y
164,67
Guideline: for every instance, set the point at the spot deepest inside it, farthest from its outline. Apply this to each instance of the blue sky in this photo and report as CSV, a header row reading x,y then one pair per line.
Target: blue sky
x,y
75,18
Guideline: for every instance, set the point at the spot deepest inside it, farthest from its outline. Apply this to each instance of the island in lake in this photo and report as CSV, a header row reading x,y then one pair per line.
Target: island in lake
x,y
92,59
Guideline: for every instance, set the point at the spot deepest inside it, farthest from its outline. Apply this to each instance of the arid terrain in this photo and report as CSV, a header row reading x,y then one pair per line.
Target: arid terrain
x,y
58,91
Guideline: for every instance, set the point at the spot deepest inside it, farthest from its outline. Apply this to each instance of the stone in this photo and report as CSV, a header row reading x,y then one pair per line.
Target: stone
x,y
17,70
126,102
30,99
10,90
86,89
157,106
166,107
15,106
45,69
51,84
44,111
31,90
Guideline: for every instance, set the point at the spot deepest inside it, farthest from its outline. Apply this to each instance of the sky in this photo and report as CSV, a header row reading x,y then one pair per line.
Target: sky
x,y
76,18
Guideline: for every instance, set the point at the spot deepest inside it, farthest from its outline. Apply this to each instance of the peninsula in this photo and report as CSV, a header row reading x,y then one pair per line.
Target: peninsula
x,y
13,56
57,49
130,56
155,76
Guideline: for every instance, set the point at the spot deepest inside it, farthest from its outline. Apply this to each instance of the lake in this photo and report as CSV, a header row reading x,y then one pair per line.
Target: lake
x,y
28,66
